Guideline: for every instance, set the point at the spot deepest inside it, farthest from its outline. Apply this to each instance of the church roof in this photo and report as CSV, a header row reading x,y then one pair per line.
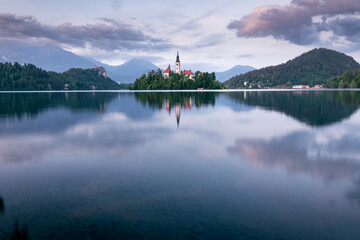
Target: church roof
x,y
167,70
187,72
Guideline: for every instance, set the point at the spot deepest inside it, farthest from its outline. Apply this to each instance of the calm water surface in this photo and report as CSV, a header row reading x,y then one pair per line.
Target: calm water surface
x,y
240,165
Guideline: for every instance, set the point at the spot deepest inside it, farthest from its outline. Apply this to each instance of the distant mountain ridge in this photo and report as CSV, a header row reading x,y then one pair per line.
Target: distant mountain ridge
x,y
130,70
236,70
53,58
310,68
50,58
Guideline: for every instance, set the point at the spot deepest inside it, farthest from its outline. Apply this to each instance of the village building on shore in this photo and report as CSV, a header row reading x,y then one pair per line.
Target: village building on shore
x,y
301,87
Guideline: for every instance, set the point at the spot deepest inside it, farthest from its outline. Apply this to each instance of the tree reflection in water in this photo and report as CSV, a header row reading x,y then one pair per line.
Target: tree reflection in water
x,y
30,105
19,233
2,208
177,100
314,108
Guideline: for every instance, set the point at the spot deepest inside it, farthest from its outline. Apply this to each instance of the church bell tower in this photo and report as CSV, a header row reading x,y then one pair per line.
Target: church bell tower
x,y
177,64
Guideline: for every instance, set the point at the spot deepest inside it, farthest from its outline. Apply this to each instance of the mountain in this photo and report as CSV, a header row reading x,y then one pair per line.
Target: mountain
x,y
236,70
311,68
53,58
50,58
130,71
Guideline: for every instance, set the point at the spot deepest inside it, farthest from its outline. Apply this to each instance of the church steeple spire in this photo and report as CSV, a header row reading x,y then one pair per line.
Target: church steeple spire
x,y
177,64
177,57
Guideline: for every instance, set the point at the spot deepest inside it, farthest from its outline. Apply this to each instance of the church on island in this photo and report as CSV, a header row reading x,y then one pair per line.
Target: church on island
x,y
186,73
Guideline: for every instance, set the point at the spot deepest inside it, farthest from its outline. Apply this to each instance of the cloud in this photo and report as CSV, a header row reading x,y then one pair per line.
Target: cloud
x,y
309,153
297,21
301,152
106,35
245,56
209,41
116,4
348,27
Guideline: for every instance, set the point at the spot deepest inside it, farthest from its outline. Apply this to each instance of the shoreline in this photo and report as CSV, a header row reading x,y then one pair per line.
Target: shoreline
x,y
204,90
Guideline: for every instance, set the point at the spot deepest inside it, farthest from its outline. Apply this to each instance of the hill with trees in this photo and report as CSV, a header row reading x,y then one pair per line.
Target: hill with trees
x,y
16,77
350,79
311,68
156,81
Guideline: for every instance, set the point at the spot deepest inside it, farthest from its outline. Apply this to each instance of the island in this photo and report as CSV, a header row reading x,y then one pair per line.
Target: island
x,y
178,80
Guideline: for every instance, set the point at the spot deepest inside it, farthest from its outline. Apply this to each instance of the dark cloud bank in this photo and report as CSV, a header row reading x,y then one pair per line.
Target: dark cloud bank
x,y
106,35
296,22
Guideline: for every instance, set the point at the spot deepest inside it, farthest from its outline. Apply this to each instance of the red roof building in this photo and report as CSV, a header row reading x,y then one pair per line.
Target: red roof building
x,y
167,72
187,72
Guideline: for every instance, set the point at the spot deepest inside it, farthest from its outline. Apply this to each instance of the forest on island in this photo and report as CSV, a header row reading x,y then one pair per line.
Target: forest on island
x,y
155,80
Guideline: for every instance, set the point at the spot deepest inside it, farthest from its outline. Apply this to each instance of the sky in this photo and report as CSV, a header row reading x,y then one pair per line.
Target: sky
x,y
210,35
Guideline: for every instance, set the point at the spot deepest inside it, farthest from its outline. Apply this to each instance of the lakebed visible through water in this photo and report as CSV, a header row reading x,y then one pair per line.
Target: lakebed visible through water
x,y
180,165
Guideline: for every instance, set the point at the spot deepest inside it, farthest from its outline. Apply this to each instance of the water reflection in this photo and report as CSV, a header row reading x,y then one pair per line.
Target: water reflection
x,y
170,99
303,152
313,108
2,207
354,194
239,169
19,233
182,100
19,105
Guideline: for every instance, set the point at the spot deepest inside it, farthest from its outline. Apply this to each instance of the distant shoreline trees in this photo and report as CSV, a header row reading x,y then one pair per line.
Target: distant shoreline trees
x,y
155,80
350,79
16,77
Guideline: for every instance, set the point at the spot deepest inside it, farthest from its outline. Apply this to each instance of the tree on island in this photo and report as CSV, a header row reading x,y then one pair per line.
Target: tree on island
x,y
155,80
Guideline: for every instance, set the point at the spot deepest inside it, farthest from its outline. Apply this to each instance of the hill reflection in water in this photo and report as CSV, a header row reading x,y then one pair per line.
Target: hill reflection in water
x,y
241,165
314,108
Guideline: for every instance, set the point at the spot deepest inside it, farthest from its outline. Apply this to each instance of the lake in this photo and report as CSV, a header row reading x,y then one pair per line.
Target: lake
x,y
180,165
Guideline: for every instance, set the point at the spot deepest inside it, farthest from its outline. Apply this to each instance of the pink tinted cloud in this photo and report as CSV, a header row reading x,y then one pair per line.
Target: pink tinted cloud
x,y
293,22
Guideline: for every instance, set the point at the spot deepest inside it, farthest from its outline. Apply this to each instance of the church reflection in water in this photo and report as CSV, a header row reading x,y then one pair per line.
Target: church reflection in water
x,y
179,101
187,104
